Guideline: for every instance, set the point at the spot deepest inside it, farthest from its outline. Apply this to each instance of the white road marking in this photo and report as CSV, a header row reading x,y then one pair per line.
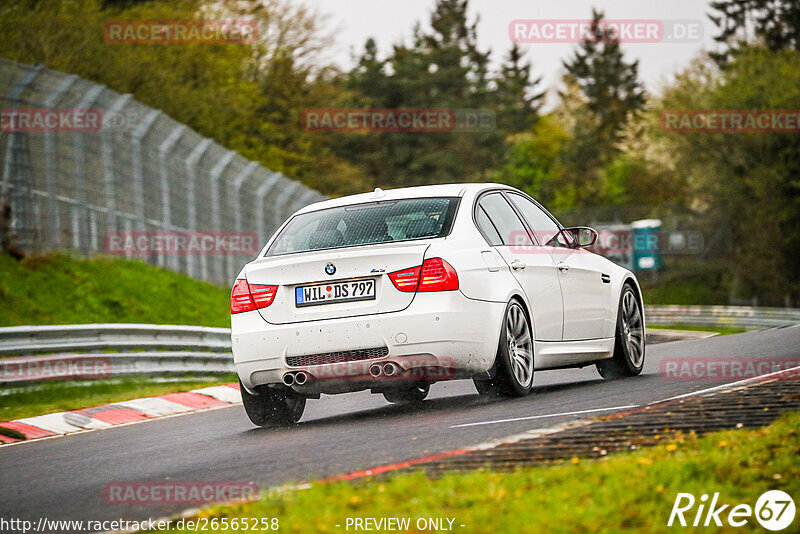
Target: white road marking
x,y
112,427
154,406
61,423
546,416
729,385
222,393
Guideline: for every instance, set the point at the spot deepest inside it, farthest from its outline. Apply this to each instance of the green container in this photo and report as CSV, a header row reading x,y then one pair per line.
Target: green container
x,y
647,245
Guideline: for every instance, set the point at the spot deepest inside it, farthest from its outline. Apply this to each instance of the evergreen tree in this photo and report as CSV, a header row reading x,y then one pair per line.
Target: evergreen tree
x,y
517,108
610,84
776,23
441,68
368,78
602,93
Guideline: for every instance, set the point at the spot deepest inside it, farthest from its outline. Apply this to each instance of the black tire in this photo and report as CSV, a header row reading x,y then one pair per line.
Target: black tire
x,y
408,395
486,388
273,407
629,340
513,366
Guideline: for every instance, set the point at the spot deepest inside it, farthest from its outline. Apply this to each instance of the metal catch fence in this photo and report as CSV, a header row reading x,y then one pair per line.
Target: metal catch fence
x,y
139,173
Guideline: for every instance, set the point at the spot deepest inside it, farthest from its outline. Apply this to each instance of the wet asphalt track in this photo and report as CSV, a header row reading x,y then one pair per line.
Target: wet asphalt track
x,y
63,478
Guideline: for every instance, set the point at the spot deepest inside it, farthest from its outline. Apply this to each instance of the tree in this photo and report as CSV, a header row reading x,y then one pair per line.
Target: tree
x,y
775,23
441,68
534,163
601,94
748,181
610,84
369,77
446,62
517,103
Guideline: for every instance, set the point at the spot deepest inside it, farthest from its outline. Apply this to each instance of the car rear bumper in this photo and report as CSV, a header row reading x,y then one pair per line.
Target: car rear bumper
x,y
439,336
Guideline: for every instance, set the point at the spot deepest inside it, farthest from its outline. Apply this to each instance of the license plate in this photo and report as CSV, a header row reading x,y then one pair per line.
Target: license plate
x,y
334,292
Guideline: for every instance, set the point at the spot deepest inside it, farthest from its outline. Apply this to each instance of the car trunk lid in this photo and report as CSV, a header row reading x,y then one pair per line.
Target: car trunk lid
x,y
361,263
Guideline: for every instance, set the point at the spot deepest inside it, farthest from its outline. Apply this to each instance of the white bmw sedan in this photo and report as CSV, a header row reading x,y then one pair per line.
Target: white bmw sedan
x,y
392,291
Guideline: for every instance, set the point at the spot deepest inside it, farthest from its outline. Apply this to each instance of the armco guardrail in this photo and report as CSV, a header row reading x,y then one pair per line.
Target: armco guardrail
x,y
142,349
747,317
33,353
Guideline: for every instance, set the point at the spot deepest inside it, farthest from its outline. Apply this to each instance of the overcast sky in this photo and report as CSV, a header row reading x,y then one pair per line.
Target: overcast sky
x,y
390,21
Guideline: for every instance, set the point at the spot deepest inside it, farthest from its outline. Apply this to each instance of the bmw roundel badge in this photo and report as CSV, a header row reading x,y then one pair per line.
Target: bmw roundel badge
x,y
330,269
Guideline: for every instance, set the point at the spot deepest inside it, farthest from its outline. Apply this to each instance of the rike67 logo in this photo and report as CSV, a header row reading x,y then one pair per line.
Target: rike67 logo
x,y
774,510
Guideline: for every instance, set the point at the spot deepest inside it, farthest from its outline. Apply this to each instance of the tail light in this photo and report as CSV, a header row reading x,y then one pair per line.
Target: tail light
x,y
248,297
406,280
437,275
434,274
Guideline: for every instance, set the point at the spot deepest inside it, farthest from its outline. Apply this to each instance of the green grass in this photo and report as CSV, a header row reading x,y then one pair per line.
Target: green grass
x,y
19,402
686,283
631,491
721,330
58,289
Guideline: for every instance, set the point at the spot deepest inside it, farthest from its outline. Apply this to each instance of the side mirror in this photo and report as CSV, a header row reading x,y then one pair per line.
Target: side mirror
x,y
582,236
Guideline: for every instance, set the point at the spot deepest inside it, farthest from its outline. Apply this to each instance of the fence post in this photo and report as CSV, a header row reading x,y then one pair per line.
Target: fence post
x,y
109,187
191,204
216,223
282,206
166,208
138,175
15,189
261,194
51,168
237,212
78,223
304,200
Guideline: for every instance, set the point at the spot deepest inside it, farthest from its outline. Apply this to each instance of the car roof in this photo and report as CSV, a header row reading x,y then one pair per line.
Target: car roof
x,y
423,191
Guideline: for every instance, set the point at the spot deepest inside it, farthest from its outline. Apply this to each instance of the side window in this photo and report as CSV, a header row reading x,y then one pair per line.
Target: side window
x,y
509,227
486,226
544,228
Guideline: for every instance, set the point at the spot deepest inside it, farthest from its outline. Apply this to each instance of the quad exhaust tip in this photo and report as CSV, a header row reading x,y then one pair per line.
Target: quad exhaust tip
x,y
387,369
390,369
295,379
376,370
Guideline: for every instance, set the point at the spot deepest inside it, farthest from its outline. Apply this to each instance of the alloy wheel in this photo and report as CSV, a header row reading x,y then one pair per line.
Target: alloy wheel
x,y
632,328
520,345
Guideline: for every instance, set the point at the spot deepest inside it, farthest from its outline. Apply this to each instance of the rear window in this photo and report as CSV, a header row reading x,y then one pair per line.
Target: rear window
x,y
366,224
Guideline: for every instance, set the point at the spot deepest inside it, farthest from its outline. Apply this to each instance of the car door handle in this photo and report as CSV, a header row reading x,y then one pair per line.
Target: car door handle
x,y
563,267
517,265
